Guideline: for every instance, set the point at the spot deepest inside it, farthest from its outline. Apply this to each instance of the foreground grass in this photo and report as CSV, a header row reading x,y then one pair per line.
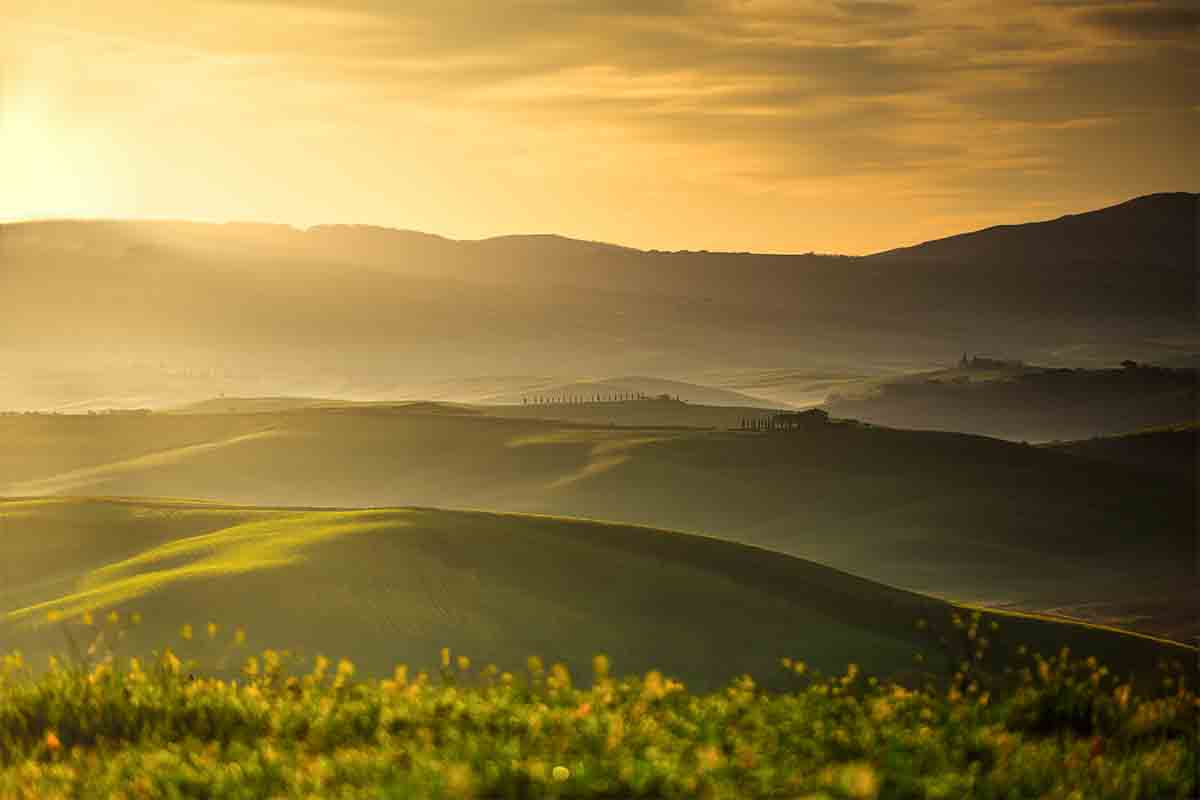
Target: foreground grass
x,y
1050,728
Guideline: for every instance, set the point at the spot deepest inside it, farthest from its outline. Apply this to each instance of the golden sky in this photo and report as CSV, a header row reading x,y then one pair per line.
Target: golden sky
x,y
770,125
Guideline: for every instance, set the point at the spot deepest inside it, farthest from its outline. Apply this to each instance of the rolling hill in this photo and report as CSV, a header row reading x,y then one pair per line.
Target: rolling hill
x,y
560,406
1171,450
395,585
635,385
962,516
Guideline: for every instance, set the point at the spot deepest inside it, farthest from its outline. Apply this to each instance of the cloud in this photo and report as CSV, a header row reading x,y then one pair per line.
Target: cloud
x,y
1147,20
874,9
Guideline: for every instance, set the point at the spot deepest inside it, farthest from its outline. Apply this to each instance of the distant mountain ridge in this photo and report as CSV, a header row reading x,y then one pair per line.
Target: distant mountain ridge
x,y
386,306
1170,215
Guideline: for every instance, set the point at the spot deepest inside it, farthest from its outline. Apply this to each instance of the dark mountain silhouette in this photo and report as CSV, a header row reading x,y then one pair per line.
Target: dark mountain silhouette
x,y
1156,230
1140,255
1149,242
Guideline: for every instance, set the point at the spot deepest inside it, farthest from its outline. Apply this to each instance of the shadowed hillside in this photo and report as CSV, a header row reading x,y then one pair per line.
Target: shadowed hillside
x,y
1021,402
964,516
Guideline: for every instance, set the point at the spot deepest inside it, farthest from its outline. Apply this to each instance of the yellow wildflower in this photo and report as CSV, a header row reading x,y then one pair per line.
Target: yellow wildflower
x,y
600,666
345,670
860,782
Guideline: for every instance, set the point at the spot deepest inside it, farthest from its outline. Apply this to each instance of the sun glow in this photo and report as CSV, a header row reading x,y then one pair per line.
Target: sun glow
x,y
48,170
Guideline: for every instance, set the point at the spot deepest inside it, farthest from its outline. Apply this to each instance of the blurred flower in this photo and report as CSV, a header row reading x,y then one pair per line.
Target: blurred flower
x,y
600,666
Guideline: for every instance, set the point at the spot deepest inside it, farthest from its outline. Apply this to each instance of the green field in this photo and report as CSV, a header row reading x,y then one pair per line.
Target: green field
x,y
960,516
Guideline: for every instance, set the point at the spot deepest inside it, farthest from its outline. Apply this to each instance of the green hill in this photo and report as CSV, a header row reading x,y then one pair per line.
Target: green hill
x,y
396,585
966,517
